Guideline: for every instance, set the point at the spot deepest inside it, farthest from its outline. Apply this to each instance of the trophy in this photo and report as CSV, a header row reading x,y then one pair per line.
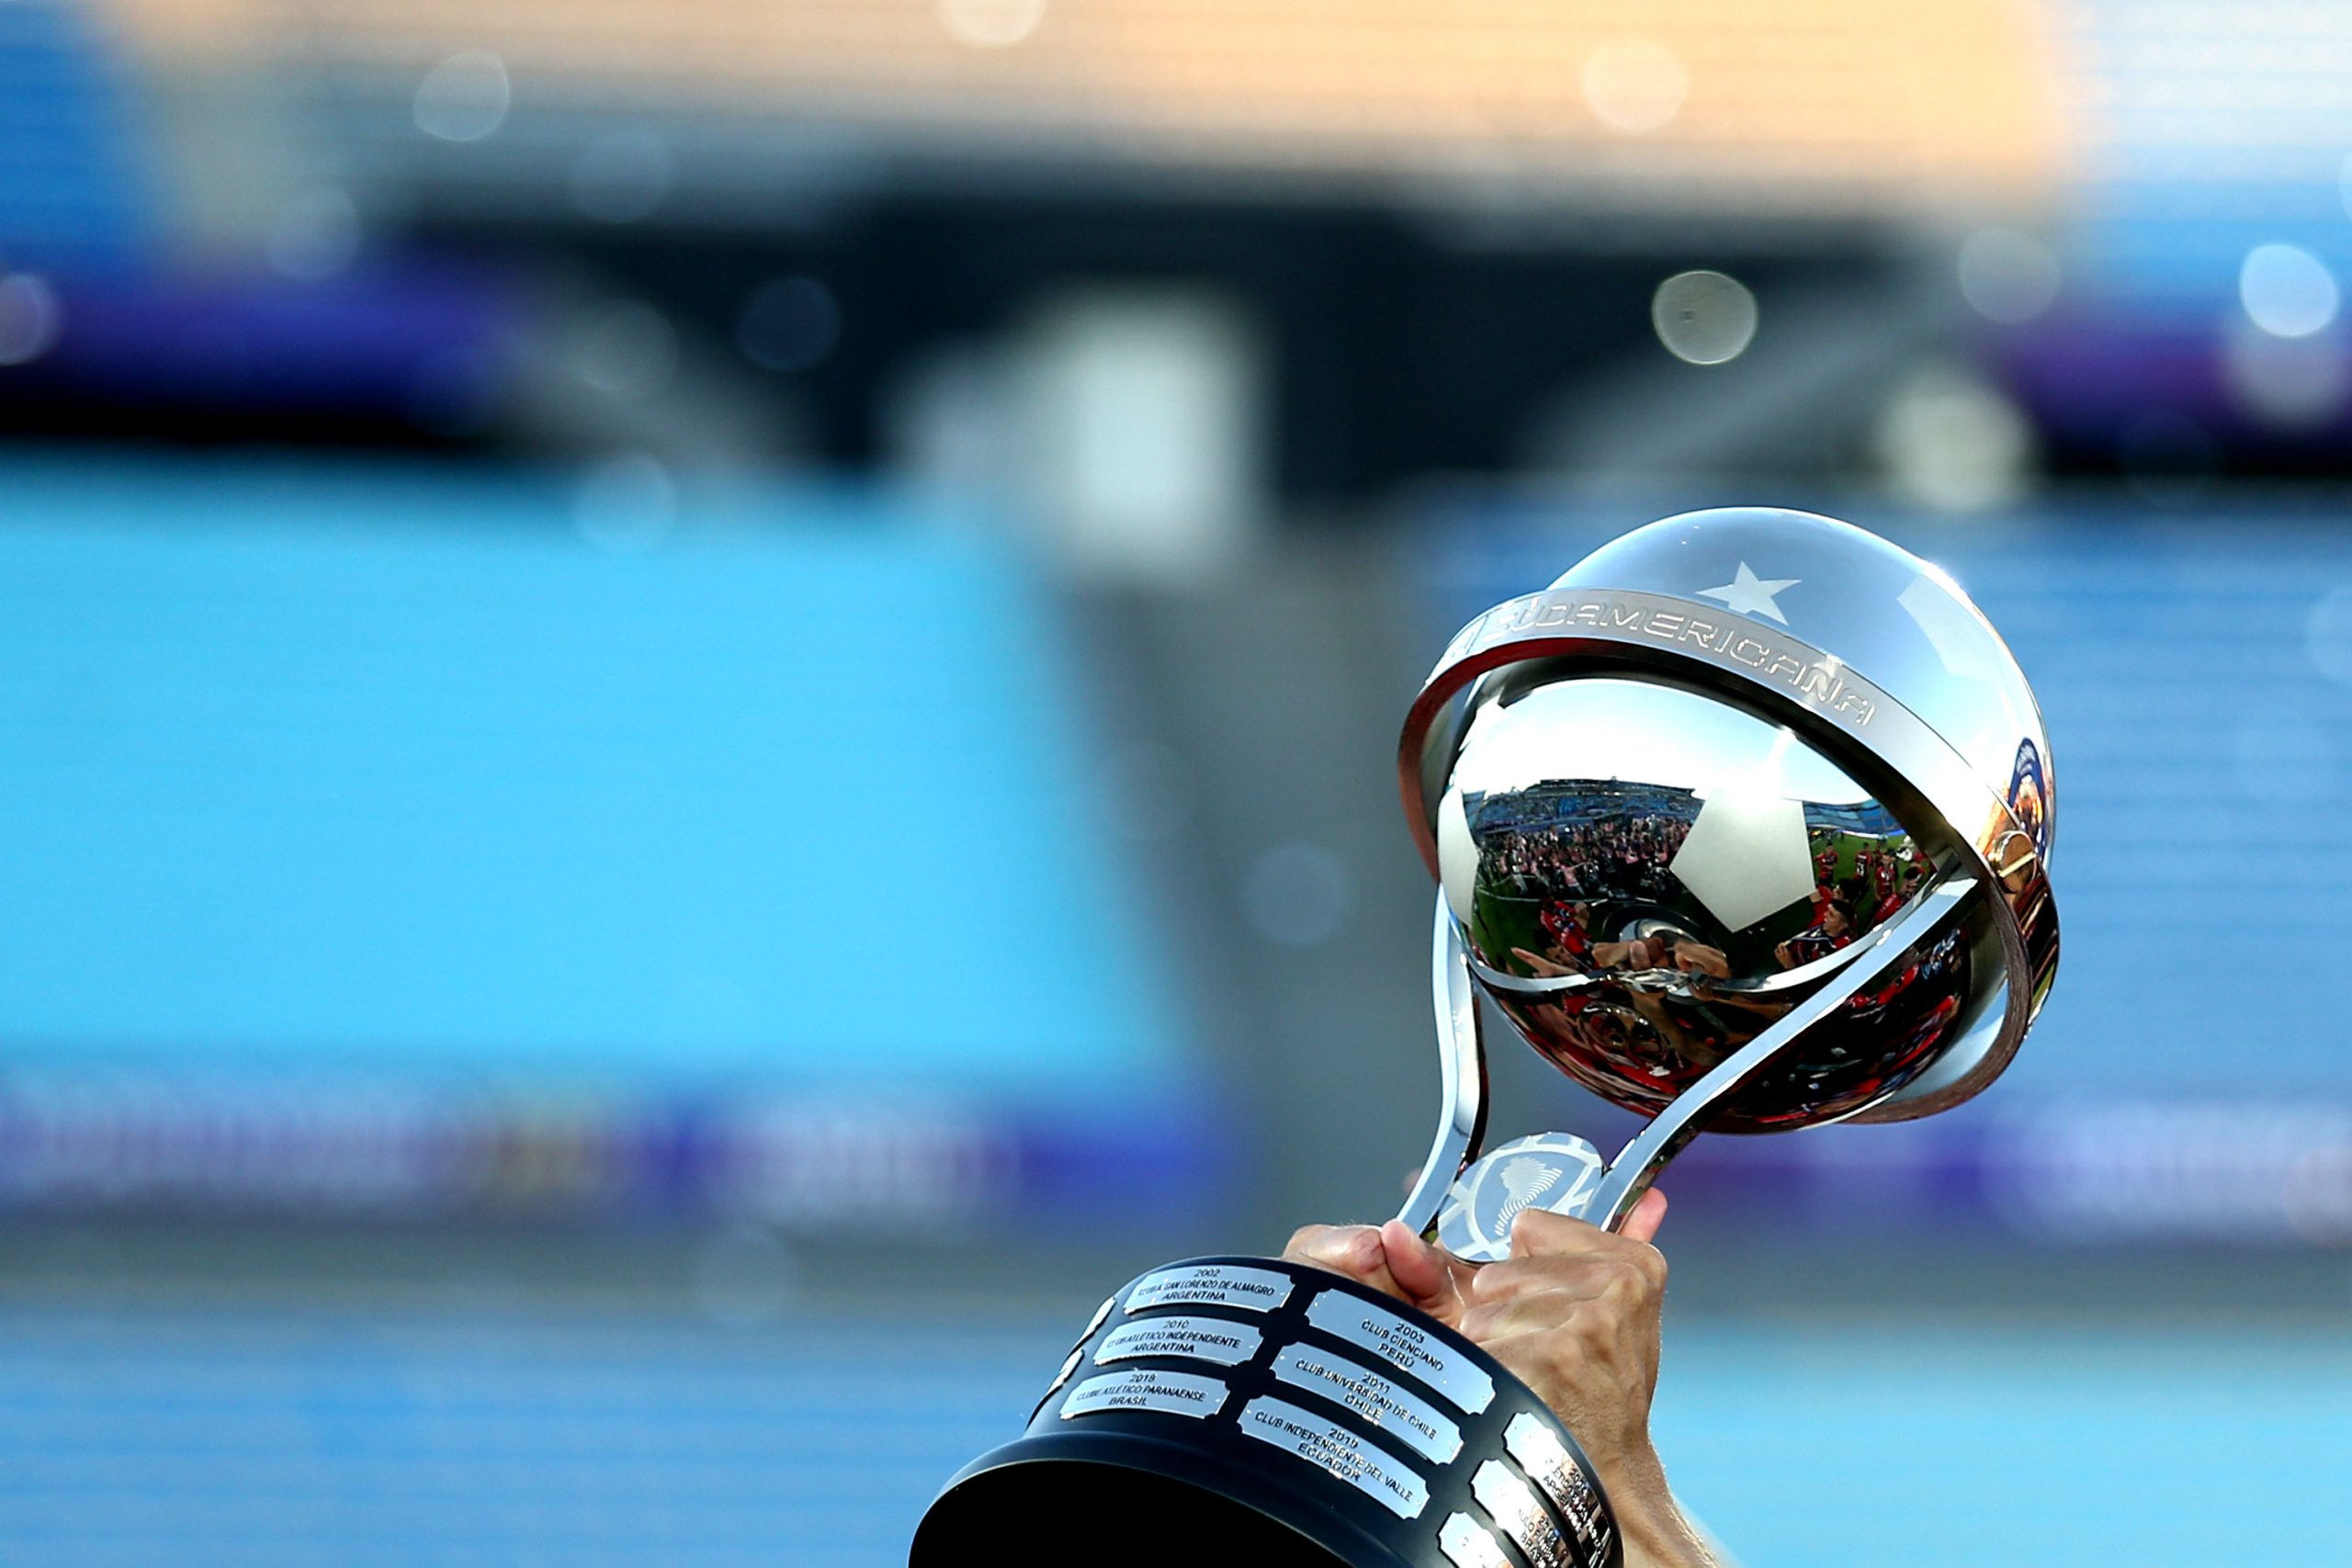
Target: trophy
x,y
1743,823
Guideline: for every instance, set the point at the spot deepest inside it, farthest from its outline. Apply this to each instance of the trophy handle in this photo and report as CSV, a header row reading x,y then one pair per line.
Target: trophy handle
x,y
1462,1071
1637,1164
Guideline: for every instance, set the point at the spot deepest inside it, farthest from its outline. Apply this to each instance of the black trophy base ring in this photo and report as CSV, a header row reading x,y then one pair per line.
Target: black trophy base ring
x,y
1272,1411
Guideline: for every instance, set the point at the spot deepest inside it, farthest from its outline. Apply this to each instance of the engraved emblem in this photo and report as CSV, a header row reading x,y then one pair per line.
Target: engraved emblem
x,y
1525,1178
1551,1170
1751,595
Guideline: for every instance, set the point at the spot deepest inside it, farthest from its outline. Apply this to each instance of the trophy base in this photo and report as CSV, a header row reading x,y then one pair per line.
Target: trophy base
x,y
1269,1411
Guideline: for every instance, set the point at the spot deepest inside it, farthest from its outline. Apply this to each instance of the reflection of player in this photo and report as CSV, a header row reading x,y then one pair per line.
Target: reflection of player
x,y
1834,930
1568,924
1888,876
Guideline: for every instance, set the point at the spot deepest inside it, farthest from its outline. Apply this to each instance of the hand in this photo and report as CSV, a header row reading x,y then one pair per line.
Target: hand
x,y
1574,1313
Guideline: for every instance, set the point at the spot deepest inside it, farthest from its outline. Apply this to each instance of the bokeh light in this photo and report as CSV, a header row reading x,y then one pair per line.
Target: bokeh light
x,y
627,504
1949,440
743,1277
626,349
790,325
622,176
2296,382
30,317
314,235
1704,318
1636,86
465,97
1297,895
2008,276
2287,291
990,23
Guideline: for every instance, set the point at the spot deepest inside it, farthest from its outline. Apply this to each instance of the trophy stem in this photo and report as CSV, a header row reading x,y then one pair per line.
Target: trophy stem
x,y
1637,1164
1462,1071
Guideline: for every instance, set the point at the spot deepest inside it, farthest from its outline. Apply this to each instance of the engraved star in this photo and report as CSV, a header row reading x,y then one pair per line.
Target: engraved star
x,y
1750,595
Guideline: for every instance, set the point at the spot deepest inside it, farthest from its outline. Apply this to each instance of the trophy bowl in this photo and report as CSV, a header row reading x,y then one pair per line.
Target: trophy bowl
x,y
1640,926
1744,824
1834,723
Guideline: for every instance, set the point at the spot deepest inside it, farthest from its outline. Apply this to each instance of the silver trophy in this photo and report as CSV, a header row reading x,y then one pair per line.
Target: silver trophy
x,y
1743,823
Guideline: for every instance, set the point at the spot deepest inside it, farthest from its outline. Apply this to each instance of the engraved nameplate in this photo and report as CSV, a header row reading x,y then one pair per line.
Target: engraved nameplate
x,y
1469,1544
1212,1284
1100,1313
1553,1468
1204,1338
1405,1347
1069,1365
1376,1398
1359,1462
1178,1394
1523,1518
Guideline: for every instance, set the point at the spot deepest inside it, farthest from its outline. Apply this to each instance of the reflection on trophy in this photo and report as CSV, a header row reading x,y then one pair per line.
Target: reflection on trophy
x,y
1743,823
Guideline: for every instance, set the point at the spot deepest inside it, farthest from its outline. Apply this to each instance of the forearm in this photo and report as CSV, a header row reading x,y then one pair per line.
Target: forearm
x,y
1656,1534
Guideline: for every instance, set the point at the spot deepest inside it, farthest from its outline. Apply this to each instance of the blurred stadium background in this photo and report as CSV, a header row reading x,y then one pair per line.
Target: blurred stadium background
x,y
696,705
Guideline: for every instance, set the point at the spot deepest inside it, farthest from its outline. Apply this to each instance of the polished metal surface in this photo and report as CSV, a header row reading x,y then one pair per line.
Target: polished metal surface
x,y
1646,879
1462,1077
1745,824
1884,958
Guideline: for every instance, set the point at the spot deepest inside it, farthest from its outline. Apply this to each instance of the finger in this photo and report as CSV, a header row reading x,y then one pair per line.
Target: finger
x,y
1539,1233
1354,1251
1648,1215
1432,1278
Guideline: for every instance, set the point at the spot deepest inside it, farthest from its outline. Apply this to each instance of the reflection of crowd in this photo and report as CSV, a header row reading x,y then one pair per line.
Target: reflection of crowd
x,y
1901,1024
1563,868
1572,951
1625,855
1654,1038
1650,1045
